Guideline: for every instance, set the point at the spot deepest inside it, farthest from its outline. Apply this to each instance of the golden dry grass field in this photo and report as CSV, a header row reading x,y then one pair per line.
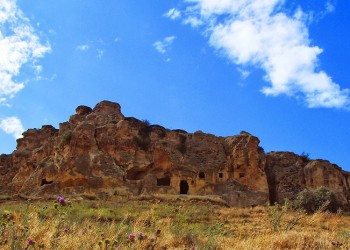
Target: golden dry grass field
x,y
165,223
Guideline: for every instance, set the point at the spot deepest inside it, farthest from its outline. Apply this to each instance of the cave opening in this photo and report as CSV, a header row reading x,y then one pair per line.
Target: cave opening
x,y
164,181
184,187
135,174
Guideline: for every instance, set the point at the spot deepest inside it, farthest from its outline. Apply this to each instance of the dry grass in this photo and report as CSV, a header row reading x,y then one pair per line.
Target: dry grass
x,y
184,223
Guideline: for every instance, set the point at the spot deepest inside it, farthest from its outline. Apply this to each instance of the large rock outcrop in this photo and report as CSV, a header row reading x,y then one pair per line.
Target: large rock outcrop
x,y
101,152
288,174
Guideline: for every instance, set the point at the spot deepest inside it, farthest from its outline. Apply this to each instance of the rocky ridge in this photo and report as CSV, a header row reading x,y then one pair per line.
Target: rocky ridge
x,y
101,152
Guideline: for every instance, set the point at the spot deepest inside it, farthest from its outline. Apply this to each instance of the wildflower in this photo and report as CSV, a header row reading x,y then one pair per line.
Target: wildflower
x,y
158,232
30,242
66,230
62,201
131,237
153,239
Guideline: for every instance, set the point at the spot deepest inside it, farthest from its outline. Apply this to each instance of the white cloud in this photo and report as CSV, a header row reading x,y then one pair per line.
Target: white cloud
x,y
244,73
12,125
329,7
258,32
83,47
173,14
163,45
19,45
193,21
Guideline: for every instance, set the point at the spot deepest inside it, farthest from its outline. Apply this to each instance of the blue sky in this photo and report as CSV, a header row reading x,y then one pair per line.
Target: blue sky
x,y
277,69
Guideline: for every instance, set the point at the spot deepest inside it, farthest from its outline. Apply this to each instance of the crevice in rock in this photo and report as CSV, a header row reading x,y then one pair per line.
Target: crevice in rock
x,y
271,182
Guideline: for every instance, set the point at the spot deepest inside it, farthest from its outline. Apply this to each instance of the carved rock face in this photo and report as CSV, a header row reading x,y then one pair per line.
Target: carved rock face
x,y
100,151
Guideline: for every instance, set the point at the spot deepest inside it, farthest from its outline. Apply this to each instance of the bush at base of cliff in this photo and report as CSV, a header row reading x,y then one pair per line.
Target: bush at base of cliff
x,y
319,199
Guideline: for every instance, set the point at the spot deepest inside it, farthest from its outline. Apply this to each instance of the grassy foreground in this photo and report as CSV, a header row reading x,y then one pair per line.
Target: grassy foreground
x,y
159,223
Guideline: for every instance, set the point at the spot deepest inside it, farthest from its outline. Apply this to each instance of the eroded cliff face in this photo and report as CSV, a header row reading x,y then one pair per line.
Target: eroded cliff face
x,y
288,174
101,152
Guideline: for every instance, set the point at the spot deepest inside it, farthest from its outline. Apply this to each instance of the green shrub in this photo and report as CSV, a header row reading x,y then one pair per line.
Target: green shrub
x,y
320,199
146,122
305,157
67,137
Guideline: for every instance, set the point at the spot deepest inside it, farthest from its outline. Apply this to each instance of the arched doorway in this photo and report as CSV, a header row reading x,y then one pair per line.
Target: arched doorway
x,y
183,187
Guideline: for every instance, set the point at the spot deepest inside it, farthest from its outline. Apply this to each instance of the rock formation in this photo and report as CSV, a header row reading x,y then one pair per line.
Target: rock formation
x,y
101,152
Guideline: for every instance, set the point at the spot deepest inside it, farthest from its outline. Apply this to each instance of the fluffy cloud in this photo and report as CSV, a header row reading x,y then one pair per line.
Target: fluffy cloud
x,y
258,32
163,45
12,125
193,21
19,45
173,14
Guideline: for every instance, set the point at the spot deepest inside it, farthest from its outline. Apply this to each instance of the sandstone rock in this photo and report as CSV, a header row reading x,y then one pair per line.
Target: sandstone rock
x,y
285,175
101,152
83,110
288,174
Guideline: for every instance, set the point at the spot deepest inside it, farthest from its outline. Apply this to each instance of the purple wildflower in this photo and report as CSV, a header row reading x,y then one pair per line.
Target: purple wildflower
x,y
66,230
62,201
131,237
158,232
30,242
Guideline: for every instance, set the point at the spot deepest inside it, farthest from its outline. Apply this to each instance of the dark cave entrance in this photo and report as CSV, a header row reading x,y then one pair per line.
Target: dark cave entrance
x,y
184,187
164,181
201,175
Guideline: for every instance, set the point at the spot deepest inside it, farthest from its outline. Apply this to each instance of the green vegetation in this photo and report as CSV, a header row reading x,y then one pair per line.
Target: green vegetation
x,y
171,223
67,137
320,199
